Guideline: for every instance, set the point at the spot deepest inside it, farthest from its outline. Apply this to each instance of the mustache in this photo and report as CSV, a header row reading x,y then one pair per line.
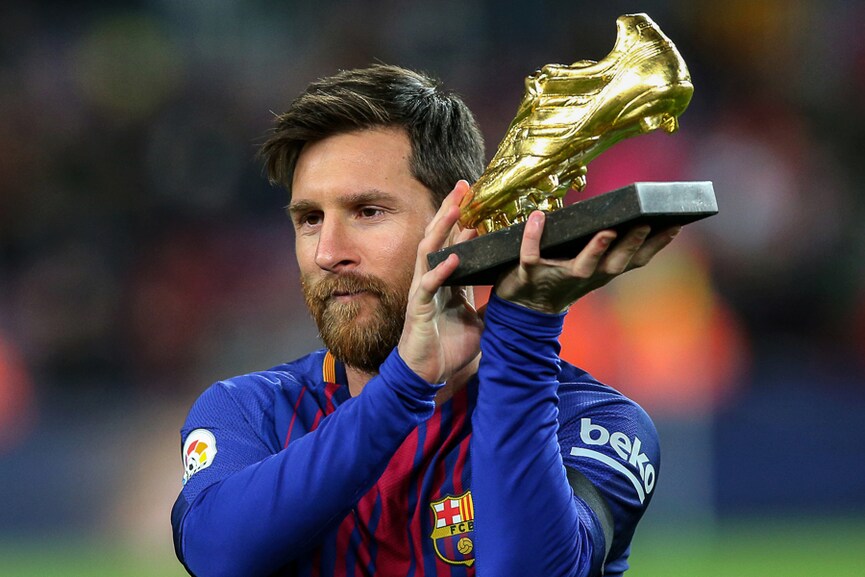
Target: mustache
x,y
345,283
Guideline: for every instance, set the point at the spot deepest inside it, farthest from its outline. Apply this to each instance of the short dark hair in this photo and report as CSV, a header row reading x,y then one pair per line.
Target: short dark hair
x,y
446,144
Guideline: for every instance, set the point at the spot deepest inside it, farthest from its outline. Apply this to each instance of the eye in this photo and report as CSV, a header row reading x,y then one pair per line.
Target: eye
x,y
370,211
308,219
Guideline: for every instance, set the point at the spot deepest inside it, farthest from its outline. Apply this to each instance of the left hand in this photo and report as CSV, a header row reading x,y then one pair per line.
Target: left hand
x,y
553,285
442,329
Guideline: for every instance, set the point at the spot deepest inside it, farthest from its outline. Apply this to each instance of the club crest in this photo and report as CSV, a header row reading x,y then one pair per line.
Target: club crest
x,y
453,522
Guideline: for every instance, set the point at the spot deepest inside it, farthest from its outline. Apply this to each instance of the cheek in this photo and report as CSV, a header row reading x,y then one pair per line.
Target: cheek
x,y
304,253
398,251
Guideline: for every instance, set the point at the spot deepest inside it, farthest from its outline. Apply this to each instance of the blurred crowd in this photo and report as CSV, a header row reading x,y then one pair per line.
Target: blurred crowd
x,y
143,255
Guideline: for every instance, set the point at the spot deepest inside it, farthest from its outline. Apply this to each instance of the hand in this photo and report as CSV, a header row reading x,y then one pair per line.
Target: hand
x,y
442,329
553,285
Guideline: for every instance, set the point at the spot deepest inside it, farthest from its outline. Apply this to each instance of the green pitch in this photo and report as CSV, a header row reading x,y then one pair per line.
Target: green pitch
x,y
775,548
742,549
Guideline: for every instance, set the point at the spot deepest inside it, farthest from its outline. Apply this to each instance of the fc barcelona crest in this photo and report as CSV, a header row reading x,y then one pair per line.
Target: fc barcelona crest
x,y
453,529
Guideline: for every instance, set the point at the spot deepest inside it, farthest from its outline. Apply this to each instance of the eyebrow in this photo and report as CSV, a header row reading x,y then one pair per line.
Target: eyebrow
x,y
351,199
299,206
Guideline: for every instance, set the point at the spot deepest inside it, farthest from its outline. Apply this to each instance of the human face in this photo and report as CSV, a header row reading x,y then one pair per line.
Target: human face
x,y
358,215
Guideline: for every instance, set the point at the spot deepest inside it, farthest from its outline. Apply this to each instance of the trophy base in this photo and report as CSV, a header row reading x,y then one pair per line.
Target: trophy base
x,y
568,230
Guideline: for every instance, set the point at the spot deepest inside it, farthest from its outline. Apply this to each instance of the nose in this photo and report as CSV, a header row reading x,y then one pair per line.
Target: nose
x,y
336,249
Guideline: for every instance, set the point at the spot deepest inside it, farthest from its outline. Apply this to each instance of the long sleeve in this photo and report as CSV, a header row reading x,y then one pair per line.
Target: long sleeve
x,y
259,509
527,520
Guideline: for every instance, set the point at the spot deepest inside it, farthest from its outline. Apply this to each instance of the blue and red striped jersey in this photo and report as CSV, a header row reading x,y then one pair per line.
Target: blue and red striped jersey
x,y
534,468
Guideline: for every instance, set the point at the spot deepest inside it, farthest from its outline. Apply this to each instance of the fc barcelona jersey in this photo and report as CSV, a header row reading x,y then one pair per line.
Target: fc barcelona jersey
x,y
534,468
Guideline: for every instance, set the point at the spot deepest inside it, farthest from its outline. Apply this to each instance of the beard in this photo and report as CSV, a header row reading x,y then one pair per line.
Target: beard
x,y
361,343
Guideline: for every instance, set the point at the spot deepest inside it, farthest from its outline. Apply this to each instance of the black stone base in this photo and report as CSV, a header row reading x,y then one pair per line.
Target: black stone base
x,y
567,230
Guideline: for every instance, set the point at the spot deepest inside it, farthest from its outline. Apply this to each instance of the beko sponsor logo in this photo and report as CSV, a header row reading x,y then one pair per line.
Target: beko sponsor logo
x,y
627,449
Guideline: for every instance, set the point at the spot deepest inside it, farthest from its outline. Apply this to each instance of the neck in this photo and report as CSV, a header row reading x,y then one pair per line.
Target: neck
x,y
357,380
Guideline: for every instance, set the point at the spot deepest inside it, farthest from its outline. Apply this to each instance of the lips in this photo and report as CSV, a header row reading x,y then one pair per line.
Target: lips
x,y
344,289
338,294
349,291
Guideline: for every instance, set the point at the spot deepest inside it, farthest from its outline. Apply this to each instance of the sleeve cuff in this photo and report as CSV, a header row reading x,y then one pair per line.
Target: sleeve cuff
x,y
406,382
523,320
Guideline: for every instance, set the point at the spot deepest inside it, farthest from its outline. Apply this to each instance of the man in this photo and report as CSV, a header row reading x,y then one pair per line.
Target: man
x,y
426,439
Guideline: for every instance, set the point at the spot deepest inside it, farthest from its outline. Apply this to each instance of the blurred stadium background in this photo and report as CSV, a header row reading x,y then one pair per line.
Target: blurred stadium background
x,y
142,256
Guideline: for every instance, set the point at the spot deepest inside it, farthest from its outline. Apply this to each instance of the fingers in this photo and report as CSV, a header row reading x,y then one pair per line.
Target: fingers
x,y
432,280
438,230
653,245
445,211
636,249
587,263
618,260
464,235
427,281
530,247
440,226
584,265
601,256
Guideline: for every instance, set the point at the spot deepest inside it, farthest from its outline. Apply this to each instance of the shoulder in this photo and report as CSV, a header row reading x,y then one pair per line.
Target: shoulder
x,y
261,386
237,420
581,393
607,432
253,397
300,372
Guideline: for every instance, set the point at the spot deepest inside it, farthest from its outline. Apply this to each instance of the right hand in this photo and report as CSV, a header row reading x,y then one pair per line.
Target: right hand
x,y
553,285
442,329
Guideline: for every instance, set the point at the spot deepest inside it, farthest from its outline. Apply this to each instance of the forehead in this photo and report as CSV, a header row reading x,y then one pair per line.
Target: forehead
x,y
355,162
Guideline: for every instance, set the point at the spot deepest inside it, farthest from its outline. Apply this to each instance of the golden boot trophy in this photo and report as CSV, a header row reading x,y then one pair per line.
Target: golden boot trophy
x,y
568,116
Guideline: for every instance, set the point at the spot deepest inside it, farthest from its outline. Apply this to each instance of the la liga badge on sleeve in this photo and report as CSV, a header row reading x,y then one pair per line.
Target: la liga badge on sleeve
x,y
199,450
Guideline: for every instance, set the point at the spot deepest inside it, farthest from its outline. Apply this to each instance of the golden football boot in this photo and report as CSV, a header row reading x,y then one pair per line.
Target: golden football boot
x,y
572,113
